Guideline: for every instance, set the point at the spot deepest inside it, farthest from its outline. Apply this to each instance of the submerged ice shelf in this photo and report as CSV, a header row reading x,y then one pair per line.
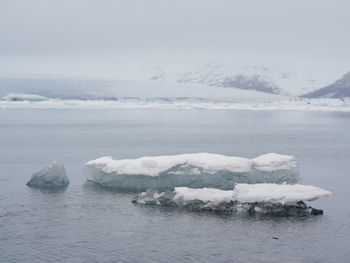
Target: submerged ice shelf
x,y
248,198
191,170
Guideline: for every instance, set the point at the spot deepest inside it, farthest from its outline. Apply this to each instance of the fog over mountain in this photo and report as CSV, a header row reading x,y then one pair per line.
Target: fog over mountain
x,y
302,44
259,78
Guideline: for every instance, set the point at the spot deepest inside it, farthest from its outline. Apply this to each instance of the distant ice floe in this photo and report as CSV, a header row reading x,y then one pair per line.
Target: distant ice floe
x,y
192,170
24,97
247,198
184,103
53,176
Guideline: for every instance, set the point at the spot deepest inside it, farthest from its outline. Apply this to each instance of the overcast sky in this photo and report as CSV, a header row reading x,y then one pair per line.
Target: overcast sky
x,y
298,29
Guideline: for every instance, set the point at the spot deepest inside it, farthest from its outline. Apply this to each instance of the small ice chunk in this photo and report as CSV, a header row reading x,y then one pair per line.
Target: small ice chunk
x,y
53,176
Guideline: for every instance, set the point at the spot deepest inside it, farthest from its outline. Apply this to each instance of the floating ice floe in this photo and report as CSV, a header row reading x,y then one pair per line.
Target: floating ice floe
x,y
248,198
53,176
24,97
191,170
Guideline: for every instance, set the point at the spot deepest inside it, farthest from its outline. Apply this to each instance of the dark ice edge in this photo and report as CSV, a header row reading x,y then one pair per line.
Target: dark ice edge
x,y
232,207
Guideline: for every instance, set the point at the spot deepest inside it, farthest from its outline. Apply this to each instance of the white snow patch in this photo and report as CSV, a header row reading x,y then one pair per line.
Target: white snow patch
x,y
276,193
203,194
254,193
153,166
273,162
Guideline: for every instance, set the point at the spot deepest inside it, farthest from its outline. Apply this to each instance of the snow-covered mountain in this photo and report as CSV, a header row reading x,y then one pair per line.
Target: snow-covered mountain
x,y
257,78
338,89
248,79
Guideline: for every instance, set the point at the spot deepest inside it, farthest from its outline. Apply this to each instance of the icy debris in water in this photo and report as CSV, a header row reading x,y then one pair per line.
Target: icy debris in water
x,y
53,176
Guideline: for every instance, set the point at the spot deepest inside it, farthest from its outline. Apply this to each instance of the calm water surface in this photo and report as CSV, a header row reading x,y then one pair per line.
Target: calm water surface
x,y
89,224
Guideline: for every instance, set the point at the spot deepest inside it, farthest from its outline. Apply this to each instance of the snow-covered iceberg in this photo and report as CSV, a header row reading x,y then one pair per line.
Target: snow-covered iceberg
x,y
191,170
53,176
249,198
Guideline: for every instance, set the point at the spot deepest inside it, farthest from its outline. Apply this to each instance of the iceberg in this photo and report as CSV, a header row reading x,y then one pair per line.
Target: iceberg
x,y
24,97
53,176
248,198
192,170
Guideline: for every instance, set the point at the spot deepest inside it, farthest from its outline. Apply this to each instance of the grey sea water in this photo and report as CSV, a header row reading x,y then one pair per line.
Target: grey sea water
x,y
85,223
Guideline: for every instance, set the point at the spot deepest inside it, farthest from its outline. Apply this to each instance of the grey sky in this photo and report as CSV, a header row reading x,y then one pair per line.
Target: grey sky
x,y
297,28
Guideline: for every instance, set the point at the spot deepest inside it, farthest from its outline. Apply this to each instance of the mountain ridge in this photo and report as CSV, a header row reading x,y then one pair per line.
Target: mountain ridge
x,y
258,78
338,89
